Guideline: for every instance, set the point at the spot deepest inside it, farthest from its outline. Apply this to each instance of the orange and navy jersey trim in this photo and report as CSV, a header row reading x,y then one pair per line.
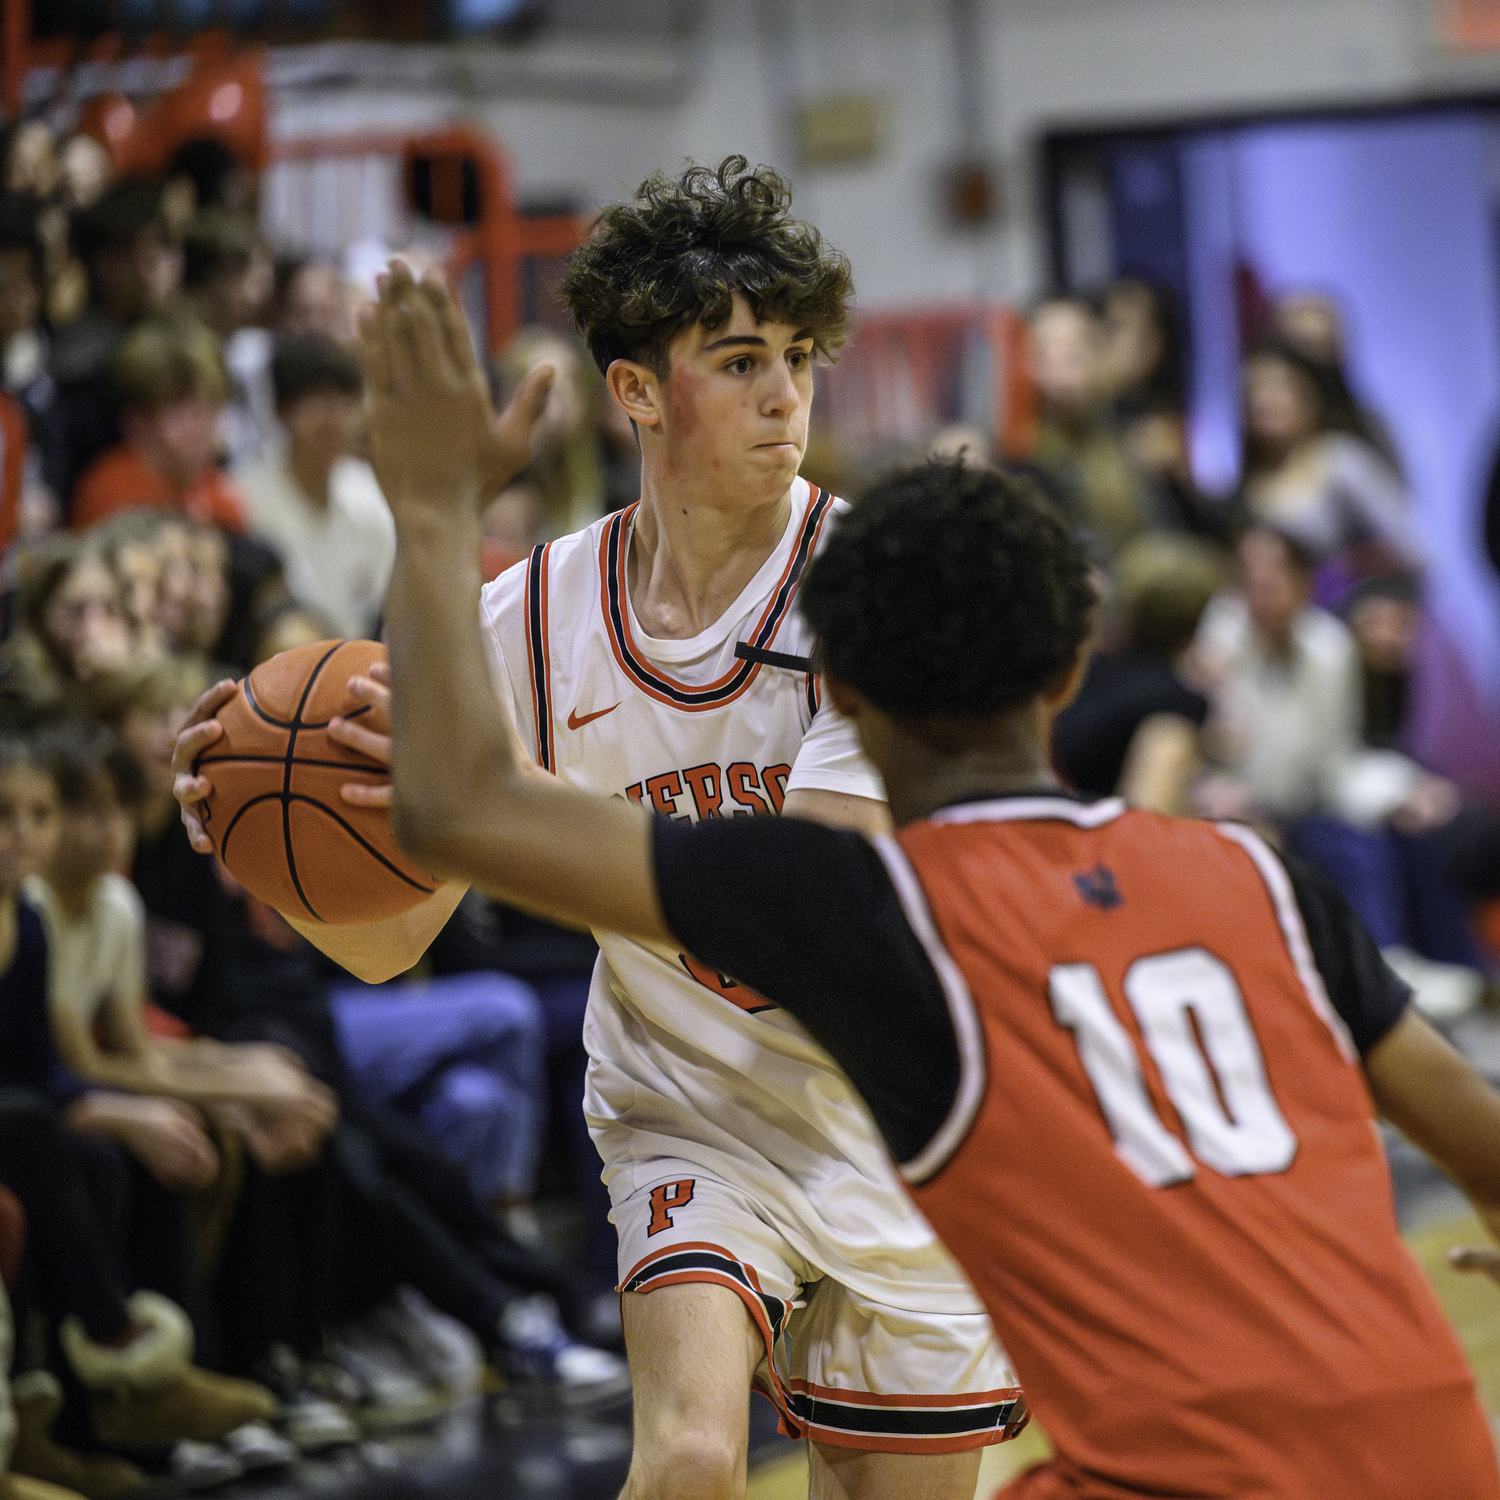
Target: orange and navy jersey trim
x,y
538,656
652,680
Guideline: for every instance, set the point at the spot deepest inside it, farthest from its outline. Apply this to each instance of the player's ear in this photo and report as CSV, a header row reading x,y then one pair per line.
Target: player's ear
x,y
637,389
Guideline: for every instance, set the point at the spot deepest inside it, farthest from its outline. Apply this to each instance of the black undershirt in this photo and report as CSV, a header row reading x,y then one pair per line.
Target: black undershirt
x,y
807,916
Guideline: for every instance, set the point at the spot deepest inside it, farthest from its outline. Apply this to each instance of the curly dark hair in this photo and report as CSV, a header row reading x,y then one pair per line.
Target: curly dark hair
x,y
950,590
680,251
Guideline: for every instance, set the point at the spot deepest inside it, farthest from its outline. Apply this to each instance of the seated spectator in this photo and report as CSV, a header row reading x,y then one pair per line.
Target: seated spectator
x,y
1077,451
70,625
132,1353
1312,323
171,385
1133,728
568,450
233,969
316,502
25,347
97,977
218,176
227,275
314,296
132,266
1325,487
1287,730
1384,613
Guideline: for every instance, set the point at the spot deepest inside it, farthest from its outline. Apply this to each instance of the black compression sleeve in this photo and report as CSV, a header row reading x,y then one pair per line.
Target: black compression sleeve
x,y
807,916
1364,991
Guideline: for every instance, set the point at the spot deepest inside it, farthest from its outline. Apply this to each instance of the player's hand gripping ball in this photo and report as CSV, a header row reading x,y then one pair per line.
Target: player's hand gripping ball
x,y
275,814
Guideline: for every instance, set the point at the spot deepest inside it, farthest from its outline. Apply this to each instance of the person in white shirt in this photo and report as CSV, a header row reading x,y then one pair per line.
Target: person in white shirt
x,y
1288,732
316,502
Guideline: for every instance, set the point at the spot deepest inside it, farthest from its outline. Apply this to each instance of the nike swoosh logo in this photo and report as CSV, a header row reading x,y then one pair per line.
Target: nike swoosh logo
x,y
577,720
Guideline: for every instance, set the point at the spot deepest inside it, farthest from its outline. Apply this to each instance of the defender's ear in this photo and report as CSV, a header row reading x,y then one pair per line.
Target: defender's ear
x,y
638,390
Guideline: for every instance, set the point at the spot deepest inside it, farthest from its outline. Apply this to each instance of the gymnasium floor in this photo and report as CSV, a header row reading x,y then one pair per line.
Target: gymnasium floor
x,y
504,1449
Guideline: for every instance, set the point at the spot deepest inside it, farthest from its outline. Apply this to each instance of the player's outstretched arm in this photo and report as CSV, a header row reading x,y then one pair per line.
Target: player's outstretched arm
x,y
1434,1098
467,805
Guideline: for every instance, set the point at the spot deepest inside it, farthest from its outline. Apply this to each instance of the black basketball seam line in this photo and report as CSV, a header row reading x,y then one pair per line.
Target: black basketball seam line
x,y
287,798
286,784
302,760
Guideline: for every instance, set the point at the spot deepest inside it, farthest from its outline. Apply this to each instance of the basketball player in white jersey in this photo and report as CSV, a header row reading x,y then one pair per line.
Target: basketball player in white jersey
x,y
659,656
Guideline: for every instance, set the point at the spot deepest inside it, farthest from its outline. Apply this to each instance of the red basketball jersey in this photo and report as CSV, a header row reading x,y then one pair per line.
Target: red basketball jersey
x,y
1162,1173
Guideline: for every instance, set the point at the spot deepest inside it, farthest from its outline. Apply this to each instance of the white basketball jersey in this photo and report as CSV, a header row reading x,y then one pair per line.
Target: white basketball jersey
x,y
686,1064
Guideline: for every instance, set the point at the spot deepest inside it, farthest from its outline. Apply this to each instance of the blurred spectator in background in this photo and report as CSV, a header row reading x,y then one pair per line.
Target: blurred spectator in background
x,y
1384,615
1306,474
1312,323
314,296
567,458
1288,730
1077,449
1133,729
25,346
227,277
1140,355
316,502
509,528
133,266
70,626
1141,373
31,160
218,176
171,385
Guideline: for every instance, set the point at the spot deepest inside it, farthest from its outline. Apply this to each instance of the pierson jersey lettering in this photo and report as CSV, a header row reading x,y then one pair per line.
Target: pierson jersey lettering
x,y
686,1063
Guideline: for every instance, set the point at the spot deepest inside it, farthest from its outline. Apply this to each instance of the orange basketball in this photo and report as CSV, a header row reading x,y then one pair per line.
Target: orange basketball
x,y
275,814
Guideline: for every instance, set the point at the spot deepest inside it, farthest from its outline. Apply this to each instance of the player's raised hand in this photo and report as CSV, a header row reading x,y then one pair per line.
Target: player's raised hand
x,y
195,736
435,440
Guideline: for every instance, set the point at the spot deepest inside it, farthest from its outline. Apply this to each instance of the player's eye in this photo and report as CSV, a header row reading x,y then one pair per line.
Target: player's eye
x,y
741,366
799,358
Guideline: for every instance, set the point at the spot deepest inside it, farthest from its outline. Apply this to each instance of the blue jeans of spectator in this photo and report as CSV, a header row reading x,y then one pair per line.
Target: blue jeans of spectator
x,y
462,1054
1397,884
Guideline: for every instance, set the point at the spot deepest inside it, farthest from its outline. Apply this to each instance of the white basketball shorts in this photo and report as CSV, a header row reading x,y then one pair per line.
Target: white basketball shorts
x,y
839,1368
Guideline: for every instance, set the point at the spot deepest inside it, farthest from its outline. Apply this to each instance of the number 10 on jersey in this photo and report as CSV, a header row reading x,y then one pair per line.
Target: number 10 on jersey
x,y
1194,1025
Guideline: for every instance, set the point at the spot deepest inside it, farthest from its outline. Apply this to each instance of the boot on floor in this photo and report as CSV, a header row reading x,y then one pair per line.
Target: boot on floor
x,y
148,1394
37,1398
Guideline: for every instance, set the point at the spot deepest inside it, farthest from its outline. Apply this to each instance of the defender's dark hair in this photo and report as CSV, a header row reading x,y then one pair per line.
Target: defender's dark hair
x,y
680,251
313,362
76,750
950,590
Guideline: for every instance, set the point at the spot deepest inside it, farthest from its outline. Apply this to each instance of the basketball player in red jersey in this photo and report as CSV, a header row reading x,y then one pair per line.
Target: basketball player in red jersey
x,y
1126,1062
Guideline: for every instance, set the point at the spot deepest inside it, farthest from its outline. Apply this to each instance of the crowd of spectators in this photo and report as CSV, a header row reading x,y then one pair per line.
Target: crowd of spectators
x,y
267,1209
1257,655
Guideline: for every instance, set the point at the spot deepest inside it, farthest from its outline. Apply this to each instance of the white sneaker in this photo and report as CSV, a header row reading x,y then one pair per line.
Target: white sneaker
x,y
439,1347
257,1447
316,1425
535,1346
393,1394
200,1466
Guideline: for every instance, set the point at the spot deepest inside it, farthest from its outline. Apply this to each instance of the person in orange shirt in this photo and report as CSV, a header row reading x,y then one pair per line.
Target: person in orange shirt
x,y
1128,1064
170,379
